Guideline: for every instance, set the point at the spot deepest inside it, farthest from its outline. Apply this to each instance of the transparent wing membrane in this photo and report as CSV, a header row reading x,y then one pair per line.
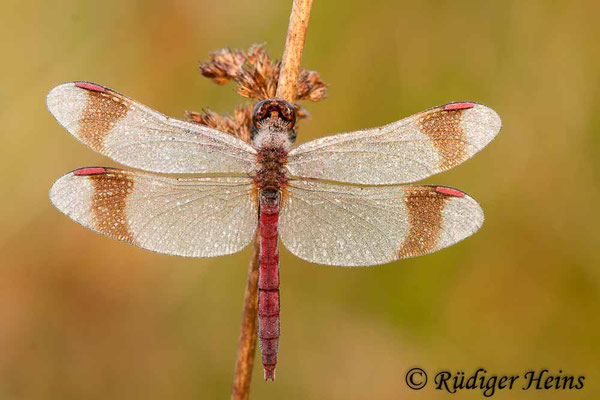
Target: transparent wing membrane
x,y
192,217
320,221
135,135
358,226
404,151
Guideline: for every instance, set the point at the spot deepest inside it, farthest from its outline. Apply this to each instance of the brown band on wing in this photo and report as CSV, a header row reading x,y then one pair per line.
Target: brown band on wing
x,y
425,208
102,111
109,203
448,137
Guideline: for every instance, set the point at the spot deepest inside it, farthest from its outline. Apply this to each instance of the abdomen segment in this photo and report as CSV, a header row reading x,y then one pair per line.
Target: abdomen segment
x,y
268,285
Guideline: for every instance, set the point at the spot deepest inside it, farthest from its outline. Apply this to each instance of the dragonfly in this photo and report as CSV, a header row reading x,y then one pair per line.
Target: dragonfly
x,y
339,200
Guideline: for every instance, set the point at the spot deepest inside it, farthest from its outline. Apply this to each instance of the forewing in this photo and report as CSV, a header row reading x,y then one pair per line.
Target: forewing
x,y
359,226
135,135
404,151
192,217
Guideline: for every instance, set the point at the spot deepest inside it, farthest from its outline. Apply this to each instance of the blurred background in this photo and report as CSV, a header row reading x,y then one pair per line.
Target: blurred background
x,y
85,317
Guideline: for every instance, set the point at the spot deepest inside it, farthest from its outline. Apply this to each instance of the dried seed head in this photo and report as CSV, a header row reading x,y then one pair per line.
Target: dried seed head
x,y
257,74
224,65
310,86
239,124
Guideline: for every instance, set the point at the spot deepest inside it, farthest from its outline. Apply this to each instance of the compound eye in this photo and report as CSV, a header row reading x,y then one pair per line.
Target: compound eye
x,y
287,113
260,112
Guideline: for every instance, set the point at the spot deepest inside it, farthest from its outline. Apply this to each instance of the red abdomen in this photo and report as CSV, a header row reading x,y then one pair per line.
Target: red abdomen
x,y
268,285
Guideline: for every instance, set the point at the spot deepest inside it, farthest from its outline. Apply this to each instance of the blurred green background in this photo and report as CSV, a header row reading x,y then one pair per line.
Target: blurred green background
x,y
85,317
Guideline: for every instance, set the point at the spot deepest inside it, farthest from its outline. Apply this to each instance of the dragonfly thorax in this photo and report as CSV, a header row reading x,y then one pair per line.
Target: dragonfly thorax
x,y
272,139
272,175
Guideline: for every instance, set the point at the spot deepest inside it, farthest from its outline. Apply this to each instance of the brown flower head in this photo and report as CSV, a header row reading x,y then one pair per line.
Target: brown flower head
x,y
256,75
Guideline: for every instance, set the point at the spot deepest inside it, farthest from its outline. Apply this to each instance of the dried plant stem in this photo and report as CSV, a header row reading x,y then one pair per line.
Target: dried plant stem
x,y
292,53
286,89
247,342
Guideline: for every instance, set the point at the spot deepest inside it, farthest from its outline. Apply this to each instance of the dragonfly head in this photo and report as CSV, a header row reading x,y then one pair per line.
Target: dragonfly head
x,y
274,115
